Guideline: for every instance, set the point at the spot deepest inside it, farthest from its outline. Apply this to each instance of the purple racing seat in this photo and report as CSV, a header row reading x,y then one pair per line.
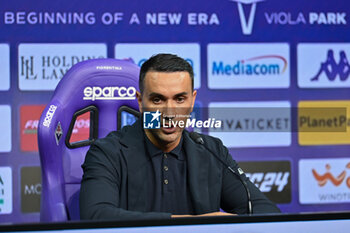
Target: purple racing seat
x,y
100,90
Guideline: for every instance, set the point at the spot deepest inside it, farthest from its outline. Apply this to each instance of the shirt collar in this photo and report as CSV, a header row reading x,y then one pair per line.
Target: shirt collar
x,y
154,151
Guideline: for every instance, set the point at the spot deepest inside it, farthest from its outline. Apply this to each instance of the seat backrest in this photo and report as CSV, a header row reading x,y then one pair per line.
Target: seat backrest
x,y
99,87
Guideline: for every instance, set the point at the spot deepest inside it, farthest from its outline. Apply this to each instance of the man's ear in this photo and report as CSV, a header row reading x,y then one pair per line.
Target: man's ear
x,y
139,100
194,95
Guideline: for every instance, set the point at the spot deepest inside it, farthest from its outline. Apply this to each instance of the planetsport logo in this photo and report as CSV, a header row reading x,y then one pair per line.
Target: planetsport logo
x,y
109,93
324,181
247,24
324,122
332,69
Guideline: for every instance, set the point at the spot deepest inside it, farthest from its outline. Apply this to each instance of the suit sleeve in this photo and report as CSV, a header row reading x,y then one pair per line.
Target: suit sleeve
x,y
100,189
234,196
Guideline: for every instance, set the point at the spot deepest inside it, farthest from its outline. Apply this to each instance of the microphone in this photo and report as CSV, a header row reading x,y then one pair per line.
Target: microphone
x,y
199,140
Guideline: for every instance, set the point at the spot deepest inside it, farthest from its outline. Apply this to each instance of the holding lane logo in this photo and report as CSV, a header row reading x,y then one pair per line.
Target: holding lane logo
x,y
42,66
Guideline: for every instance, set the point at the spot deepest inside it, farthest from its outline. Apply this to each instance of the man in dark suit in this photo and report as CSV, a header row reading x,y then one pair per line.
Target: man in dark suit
x,y
144,173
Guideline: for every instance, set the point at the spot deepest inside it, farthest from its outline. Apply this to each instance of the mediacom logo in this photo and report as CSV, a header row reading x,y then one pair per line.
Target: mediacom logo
x,y
273,178
323,181
252,124
327,65
41,66
140,52
323,122
29,120
4,67
248,65
5,190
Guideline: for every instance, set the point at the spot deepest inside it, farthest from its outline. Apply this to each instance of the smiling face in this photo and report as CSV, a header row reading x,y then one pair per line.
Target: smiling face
x,y
170,93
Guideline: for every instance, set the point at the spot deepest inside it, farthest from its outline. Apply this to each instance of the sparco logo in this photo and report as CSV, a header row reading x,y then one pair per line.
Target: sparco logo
x,y
49,115
109,93
273,178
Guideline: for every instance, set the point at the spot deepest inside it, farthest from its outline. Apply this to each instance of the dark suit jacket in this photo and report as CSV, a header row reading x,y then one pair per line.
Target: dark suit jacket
x,y
113,184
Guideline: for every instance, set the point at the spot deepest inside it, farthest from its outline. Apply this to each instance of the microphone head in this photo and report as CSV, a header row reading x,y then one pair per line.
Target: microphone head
x,y
197,138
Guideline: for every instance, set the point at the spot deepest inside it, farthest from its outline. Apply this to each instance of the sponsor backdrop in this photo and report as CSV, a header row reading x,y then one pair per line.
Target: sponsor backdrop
x,y
277,74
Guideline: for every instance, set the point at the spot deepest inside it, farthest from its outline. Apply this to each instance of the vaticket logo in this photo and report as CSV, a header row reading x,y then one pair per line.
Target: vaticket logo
x,y
151,120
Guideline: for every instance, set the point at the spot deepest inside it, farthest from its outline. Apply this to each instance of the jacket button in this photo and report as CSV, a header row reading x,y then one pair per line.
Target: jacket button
x,y
166,181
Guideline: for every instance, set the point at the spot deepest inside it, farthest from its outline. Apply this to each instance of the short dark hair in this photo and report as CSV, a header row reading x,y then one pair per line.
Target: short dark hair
x,y
164,62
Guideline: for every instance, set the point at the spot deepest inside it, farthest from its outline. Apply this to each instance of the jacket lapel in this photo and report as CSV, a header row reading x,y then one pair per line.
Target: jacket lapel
x,y
198,165
136,158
